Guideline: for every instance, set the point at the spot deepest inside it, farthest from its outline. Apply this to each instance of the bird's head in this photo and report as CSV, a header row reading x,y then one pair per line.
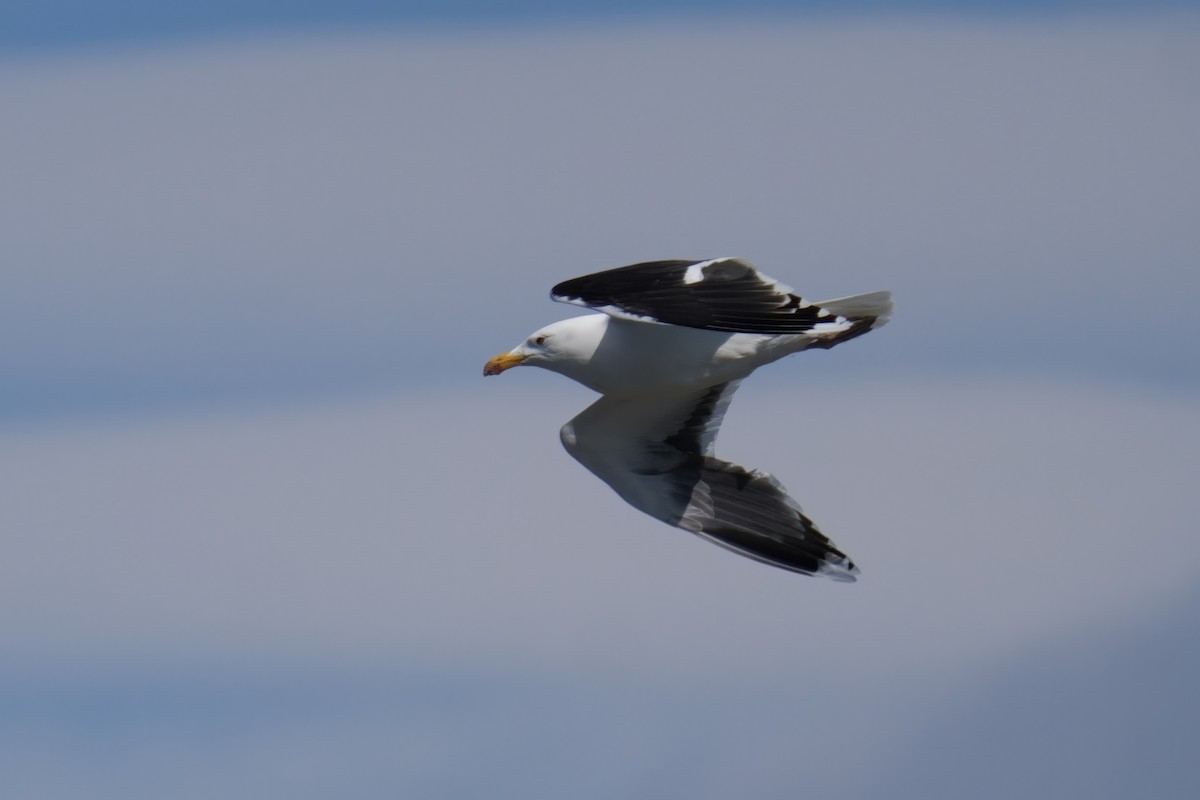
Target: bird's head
x,y
555,347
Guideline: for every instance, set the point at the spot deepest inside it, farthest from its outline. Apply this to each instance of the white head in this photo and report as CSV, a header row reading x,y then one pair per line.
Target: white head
x,y
560,347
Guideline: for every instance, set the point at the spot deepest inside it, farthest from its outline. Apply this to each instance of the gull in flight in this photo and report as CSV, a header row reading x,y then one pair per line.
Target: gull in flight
x,y
672,344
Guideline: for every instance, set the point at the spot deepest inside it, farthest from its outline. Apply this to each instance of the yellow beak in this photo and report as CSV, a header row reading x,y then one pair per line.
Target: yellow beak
x,y
502,362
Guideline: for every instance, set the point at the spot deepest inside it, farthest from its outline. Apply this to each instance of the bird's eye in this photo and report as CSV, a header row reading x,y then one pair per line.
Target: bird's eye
x,y
540,340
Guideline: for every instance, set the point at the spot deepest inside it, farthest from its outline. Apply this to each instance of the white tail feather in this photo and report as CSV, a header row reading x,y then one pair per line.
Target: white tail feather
x,y
857,306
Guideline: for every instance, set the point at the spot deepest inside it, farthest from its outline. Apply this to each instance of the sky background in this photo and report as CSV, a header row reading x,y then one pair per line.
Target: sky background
x,y
267,532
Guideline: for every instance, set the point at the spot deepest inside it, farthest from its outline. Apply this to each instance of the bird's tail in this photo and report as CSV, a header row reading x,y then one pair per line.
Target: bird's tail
x,y
859,314
875,306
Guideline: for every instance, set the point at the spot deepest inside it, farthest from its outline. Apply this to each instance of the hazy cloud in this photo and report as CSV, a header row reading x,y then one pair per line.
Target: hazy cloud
x,y
299,215
436,535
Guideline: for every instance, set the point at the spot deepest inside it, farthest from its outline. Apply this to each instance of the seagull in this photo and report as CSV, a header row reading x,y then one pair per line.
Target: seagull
x,y
669,347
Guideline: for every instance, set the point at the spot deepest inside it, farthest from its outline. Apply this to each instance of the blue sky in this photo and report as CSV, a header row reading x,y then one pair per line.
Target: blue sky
x,y
42,23
269,533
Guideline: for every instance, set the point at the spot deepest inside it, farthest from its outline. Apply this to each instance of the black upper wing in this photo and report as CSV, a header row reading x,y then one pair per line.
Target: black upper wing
x,y
724,294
